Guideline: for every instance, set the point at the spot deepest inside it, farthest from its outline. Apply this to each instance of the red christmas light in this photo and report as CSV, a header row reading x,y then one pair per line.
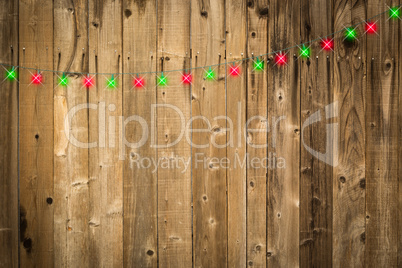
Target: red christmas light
x,y
88,81
281,59
371,27
187,78
234,70
36,79
327,44
139,82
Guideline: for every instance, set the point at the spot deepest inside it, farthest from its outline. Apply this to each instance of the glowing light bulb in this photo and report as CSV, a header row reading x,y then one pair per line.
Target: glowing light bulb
x,y
258,65
63,81
371,27
350,34
395,13
210,74
11,74
36,78
327,44
162,80
187,78
139,82
234,70
88,81
305,52
281,59
111,83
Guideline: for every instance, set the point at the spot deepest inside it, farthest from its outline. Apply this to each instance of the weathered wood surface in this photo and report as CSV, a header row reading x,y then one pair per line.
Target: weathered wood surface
x,y
208,103
383,194
349,176
257,127
140,184
36,134
174,184
105,175
284,137
236,94
95,207
315,176
71,192
9,138
400,154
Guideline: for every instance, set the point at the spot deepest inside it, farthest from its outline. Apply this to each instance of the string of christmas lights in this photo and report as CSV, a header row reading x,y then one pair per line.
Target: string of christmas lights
x,y
280,58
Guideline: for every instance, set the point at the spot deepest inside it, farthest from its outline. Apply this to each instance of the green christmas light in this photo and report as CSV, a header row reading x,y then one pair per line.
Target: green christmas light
x,y
162,80
63,81
210,74
11,74
305,52
395,13
111,83
259,65
350,34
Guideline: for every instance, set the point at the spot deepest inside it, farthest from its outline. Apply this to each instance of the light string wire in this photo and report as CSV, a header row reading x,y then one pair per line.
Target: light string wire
x,y
206,66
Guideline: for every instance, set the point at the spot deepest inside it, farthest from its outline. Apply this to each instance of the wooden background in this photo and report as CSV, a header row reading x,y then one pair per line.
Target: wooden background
x,y
64,206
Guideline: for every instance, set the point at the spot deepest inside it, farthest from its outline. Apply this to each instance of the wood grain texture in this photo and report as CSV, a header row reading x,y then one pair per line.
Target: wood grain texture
x,y
208,146
9,138
140,184
174,182
349,175
71,193
36,134
101,207
400,153
315,175
236,94
105,170
382,196
284,138
257,127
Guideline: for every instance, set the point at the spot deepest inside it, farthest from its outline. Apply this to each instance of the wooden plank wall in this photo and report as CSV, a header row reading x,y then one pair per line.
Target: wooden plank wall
x,y
105,176
257,127
315,176
210,226
67,204
284,139
236,92
9,138
140,185
349,175
71,191
174,185
36,113
382,197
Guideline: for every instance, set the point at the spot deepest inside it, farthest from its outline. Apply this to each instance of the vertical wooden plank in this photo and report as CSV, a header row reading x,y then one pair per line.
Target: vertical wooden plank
x,y
382,141
36,134
349,175
71,195
400,152
140,184
208,103
316,175
105,170
236,94
9,137
257,127
284,138
174,182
